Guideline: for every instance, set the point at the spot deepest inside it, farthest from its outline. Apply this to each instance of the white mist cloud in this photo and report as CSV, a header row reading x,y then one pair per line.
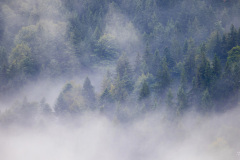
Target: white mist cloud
x,y
122,32
93,136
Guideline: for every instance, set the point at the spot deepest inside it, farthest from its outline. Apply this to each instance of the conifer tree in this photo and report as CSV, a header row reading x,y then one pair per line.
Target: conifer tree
x,y
163,78
217,47
189,67
183,79
137,67
124,79
238,37
185,47
88,94
106,97
216,67
169,100
147,59
182,102
169,58
232,38
206,102
156,64
144,92
62,107
203,77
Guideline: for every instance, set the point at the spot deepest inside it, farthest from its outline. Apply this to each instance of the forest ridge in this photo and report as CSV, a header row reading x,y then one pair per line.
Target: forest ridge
x,y
171,55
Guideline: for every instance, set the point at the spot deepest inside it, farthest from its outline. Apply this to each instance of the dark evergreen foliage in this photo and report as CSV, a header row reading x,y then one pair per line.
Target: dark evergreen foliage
x,y
184,44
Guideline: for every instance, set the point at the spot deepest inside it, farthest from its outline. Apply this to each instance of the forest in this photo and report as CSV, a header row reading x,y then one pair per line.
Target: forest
x,y
119,79
153,55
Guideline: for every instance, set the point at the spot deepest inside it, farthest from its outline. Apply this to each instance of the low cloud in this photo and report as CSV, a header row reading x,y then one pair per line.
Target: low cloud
x,y
153,136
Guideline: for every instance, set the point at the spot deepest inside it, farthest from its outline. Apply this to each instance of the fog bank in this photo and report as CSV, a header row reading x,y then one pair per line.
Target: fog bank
x,y
93,136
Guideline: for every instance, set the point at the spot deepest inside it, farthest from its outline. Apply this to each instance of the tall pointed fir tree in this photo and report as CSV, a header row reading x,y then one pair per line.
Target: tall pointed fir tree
x,y
169,100
147,60
206,102
124,80
182,101
144,92
163,78
88,94
137,67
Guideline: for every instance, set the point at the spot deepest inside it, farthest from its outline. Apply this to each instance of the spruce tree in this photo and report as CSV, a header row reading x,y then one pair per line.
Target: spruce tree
x,y
144,92
206,102
156,64
216,67
147,59
163,78
106,97
232,38
137,67
238,37
169,100
182,102
88,94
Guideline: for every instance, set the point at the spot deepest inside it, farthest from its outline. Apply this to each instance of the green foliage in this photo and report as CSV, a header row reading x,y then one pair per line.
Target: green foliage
x,y
206,101
163,78
88,94
203,76
60,38
106,97
23,61
105,48
70,101
217,71
144,92
147,60
182,102
234,55
169,58
124,81
169,101
232,38
138,66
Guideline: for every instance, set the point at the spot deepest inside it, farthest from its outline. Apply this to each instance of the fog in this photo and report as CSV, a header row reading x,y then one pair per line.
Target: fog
x,y
123,33
45,26
93,136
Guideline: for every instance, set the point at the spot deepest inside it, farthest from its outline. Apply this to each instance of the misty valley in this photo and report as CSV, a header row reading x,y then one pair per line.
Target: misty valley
x,y
120,79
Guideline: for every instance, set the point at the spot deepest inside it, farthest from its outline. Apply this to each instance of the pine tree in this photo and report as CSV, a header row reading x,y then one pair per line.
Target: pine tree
x,y
185,48
203,77
238,37
137,67
124,73
206,102
123,83
182,100
107,81
163,78
217,47
88,94
3,68
62,106
189,67
106,97
232,38
120,92
169,58
147,59
156,64
144,92
45,108
183,79
169,100
216,67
